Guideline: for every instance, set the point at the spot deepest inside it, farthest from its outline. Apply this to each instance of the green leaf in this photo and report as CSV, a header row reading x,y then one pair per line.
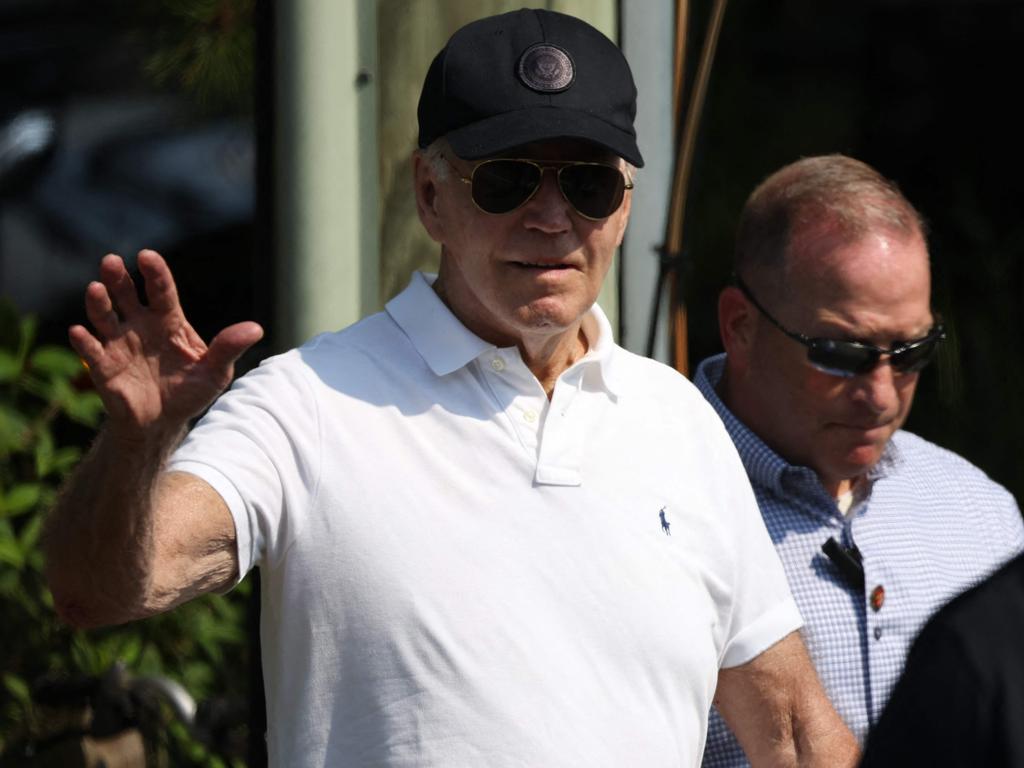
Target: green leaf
x,y
9,366
18,688
26,337
84,407
13,429
10,583
21,498
10,552
56,361
44,453
130,649
30,534
66,458
84,656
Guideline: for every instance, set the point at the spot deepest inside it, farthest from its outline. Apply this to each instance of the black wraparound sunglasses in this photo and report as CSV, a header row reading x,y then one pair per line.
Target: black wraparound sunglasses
x,y
852,358
500,185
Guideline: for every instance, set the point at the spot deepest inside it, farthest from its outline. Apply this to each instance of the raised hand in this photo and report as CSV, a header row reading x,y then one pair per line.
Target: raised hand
x,y
148,364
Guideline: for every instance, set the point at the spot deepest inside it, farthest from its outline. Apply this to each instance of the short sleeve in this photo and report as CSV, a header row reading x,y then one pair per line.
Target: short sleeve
x,y
761,610
259,447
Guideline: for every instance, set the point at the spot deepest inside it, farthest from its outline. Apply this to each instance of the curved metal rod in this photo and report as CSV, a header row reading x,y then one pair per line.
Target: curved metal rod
x,y
681,179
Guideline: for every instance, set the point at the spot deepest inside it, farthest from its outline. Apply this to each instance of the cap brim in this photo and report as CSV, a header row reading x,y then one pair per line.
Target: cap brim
x,y
511,129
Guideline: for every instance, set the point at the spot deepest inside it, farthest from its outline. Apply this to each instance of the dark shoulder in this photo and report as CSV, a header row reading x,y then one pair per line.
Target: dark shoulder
x,y
989,617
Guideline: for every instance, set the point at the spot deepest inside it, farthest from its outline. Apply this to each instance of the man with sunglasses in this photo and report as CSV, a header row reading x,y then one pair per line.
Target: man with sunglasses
x,y
826,327
475,544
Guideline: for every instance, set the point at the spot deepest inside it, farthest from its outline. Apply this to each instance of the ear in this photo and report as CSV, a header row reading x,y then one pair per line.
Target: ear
x,y
737,323
425,186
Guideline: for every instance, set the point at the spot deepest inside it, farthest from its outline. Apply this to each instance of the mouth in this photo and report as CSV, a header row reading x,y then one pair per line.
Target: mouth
x,y
541,265
868,431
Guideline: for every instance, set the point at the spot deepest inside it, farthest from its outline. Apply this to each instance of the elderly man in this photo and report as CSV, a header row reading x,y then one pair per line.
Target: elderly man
x,y
476,543
826,329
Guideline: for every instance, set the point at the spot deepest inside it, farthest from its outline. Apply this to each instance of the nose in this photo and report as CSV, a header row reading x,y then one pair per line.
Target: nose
x,y
877,389
548,210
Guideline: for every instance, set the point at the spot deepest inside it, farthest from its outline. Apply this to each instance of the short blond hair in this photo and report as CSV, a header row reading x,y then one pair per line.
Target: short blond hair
x,y
833,191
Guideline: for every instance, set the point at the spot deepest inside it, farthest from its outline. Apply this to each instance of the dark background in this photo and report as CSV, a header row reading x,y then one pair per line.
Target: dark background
x,y
927,93
152,143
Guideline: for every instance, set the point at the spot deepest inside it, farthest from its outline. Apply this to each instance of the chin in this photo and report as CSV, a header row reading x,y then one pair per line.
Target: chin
x,y
545,314
860,460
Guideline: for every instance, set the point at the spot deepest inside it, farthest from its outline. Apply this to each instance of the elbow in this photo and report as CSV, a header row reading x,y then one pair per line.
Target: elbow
x,y
90,614
74,614
80,605
71,608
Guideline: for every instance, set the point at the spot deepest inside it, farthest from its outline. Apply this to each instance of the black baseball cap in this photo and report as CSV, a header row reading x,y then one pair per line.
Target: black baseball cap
x,y
526,76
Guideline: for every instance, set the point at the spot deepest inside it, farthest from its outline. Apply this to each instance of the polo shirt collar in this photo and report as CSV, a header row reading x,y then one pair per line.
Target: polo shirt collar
x,y
446,345
603,355
442,341
764,466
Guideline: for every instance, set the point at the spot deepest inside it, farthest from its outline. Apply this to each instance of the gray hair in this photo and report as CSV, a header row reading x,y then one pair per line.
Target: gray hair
x,y
434,155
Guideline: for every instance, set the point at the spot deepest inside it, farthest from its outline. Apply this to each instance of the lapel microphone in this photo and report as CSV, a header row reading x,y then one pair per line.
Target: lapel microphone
x,y
847,560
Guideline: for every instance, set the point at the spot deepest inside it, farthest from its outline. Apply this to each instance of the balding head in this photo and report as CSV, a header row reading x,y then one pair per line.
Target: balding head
x,y
831,195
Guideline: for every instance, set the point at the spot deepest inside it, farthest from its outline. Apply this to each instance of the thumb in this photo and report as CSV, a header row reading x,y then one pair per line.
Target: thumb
x,y
228,345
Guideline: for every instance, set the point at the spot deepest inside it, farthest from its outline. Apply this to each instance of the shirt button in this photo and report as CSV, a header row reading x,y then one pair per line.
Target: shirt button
x,y
878,633
497,364
877,598
529,416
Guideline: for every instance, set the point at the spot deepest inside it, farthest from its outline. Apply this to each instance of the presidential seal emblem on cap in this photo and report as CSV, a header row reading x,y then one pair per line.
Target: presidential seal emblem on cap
x,y
546,68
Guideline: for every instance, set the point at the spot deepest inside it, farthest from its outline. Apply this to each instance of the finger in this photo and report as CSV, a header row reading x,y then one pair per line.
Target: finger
x,y
120,285
161,292
228,345
86,346
100,310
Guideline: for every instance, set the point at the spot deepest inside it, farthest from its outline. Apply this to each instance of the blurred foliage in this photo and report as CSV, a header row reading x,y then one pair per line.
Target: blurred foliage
x,y
205,48
48,411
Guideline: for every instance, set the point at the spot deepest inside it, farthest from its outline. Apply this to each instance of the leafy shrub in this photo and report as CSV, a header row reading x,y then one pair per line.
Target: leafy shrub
x,y
48,412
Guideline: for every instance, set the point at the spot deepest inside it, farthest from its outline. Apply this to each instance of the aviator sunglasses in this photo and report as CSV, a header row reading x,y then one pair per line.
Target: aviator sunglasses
x,y
851,358
594,190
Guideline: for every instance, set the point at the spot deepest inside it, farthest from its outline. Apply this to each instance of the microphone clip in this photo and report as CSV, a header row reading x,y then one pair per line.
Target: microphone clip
x,y
847,560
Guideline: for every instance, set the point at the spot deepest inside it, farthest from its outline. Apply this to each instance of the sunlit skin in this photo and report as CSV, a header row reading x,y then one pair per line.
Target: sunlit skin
x,y
524,278
876,290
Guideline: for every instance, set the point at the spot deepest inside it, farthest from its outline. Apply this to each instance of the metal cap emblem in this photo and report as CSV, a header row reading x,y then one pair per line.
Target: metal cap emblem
x,y
546,68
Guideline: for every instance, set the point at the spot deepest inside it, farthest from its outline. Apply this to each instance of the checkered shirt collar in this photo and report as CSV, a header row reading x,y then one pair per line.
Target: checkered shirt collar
x,y
764,466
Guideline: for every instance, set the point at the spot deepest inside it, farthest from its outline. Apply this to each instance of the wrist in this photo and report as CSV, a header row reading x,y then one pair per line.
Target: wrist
x,y
154,441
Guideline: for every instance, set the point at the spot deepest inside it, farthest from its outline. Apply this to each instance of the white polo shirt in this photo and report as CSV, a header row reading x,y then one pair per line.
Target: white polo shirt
x,y
458,572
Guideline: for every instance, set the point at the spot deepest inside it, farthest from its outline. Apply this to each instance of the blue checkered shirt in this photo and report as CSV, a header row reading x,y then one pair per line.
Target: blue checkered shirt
x,y
931,525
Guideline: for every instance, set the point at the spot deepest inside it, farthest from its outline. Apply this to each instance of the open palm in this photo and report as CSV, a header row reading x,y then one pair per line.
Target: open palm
x,y
148,364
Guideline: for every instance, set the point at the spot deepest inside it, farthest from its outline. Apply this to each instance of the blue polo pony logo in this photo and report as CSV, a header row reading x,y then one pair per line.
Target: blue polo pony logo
x,y
665,524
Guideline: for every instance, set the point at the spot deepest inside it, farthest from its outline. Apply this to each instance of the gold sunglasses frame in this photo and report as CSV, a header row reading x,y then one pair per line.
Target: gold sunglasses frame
x,y
557,166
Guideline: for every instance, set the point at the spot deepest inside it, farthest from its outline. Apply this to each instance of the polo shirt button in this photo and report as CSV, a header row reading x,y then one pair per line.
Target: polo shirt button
x,y
878,633
530,416
497,364
877,598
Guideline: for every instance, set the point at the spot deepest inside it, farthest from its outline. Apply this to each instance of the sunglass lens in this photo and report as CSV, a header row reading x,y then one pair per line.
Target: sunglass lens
x,y
500,186
912,359
843,358
595,191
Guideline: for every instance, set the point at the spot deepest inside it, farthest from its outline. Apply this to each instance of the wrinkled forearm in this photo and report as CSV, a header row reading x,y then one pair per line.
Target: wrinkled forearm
x,y
100,536
827,743
779,712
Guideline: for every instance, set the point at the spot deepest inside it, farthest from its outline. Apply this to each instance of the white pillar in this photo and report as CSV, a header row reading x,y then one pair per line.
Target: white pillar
x,y
325,166
646,37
